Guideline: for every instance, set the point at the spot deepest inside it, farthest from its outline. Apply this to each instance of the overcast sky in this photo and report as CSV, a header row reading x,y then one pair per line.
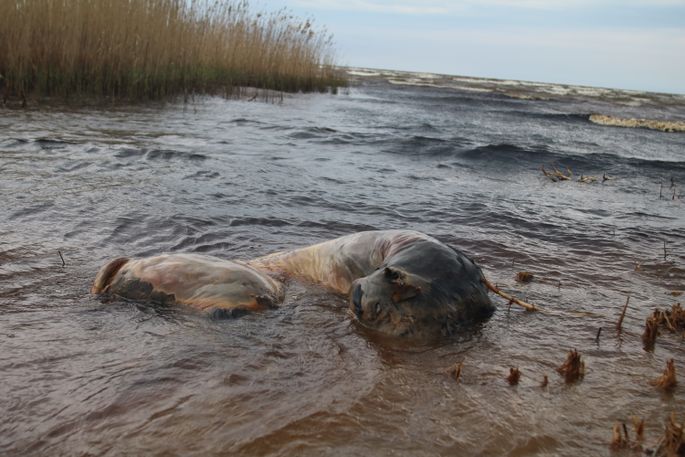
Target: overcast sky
x,y
629,44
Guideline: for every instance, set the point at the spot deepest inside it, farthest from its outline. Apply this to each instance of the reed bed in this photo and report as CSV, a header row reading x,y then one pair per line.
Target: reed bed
x,y
148,49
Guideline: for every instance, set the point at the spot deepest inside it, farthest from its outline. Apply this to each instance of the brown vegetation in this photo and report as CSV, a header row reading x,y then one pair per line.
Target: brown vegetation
x,y
557,175
620,439
573,367
650,333
524,276
514,376
667,380
672,443
154,48
673,320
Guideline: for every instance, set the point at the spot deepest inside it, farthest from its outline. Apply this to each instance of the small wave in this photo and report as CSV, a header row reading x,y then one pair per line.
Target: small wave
x,y
653,124
53,143
158,154
425,146
169,154
312,133
504,152
563,117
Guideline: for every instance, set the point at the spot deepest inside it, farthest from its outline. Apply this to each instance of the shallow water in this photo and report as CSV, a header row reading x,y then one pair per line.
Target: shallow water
x,y
239,179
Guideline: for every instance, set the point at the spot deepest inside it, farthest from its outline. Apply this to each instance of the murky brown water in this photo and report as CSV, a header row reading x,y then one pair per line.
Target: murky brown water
x,y
237,179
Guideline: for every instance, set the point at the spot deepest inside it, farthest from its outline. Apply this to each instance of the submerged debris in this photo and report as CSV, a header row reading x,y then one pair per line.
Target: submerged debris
x,y
545,381
557,175
573,368
524,276
514,376
667,380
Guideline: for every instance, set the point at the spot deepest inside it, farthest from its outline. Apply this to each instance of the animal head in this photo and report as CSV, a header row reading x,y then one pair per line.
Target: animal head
x,y
428,289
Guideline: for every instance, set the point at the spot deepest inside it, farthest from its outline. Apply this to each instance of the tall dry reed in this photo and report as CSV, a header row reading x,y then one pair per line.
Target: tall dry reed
x,y
138,49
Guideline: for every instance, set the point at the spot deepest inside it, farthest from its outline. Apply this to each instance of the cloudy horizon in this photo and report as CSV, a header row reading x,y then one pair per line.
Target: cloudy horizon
x,y
630,44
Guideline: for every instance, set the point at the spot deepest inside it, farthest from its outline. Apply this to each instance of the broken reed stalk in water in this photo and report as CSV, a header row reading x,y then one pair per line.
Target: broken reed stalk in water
x,y
545,381
676,316
455,371
623,314
60,256
672,444
667,381
639,426
514,376
508,297
573,367
650,333
620,438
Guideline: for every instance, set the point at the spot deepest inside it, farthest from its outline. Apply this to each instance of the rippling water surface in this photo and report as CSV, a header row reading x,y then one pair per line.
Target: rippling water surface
x,y
239,179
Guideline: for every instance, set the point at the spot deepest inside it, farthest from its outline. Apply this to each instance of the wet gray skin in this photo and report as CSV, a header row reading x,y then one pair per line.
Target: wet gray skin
x,y
424,289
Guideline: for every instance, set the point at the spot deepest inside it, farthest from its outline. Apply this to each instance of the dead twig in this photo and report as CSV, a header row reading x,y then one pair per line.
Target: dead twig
x,y
527,306
60,256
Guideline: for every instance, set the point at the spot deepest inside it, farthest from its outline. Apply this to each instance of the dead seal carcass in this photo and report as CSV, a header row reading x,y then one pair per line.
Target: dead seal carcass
x,y
398,282
210,284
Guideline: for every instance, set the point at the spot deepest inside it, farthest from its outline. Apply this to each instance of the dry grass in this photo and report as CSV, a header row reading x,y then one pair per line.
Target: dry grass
x,y
140,49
